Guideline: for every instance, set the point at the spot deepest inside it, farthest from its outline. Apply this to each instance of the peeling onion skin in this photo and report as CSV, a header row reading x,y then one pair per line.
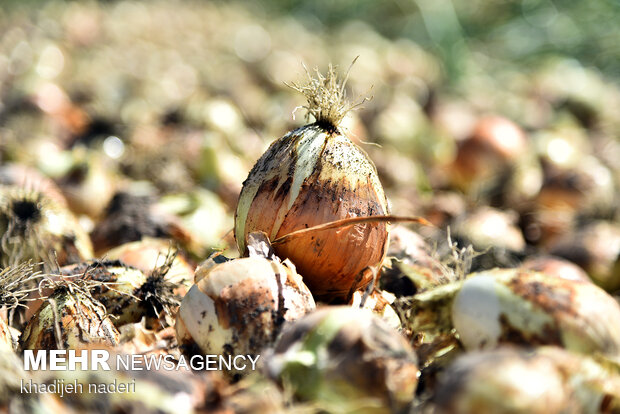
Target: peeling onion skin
x,y
379,303
530,308
545,380
239,306
345,360
80,321
310,176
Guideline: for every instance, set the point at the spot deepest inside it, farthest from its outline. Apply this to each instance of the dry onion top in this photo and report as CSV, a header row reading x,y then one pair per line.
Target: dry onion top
x,y
326,96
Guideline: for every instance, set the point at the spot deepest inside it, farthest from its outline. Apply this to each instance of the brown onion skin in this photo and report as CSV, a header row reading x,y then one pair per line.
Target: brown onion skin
x,y
500,135
494,144
342,183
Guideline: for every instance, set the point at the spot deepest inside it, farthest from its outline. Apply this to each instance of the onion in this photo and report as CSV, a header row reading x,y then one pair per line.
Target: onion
x,y
38,228
150,254
69,319
490,228
128,293
238,307
89,184
555,266
346,360
311,176
30,178
494,144
596,248
517,306
543,380
530,308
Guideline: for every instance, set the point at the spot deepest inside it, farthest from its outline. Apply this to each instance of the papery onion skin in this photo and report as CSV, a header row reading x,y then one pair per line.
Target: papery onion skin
x,y
310,176
239,306
6,339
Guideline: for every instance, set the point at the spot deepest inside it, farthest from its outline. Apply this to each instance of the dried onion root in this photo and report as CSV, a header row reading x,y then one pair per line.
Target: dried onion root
x,y
70,318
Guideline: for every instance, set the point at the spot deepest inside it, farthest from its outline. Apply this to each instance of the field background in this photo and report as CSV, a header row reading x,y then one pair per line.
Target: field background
x,y
183,96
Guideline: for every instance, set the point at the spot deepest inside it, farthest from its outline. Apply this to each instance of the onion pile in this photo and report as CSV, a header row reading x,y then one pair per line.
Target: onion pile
x,y
127,136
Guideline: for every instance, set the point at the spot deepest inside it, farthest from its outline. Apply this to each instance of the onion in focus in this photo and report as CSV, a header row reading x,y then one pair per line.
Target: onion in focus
x,y
311,176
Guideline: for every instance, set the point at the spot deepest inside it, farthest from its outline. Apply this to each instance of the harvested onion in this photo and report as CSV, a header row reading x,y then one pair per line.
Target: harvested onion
x,y
523,307
542,380
38,228
311,176
494,144
150,254
238,307
70,318
128,293
347,360
557,267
